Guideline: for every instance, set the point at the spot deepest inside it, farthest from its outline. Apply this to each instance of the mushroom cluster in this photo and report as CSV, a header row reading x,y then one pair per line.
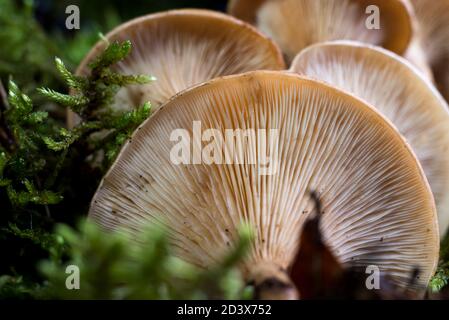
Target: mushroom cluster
x,y
351,120
296,24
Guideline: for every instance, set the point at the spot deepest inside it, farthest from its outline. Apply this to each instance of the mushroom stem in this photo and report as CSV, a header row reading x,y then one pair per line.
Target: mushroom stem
x,y
271,282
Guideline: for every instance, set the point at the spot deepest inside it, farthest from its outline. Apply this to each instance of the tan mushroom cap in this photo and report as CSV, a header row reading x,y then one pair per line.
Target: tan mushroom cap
x,y
296,24
400,92
378,207
433,22
182,48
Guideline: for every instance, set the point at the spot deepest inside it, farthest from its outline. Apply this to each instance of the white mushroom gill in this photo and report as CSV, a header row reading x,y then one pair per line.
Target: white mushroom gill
x,y
378,208
182,48
397,90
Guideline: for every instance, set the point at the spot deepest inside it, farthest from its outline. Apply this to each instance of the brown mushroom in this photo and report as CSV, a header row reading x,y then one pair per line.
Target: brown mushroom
x,y
377,205
433,22
182,48
417,56
296,24
400,92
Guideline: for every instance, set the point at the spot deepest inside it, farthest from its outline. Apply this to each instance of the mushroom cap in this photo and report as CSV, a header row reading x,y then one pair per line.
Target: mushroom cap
x,y
417,56
182,48
400,92
296,24
378,207
433,22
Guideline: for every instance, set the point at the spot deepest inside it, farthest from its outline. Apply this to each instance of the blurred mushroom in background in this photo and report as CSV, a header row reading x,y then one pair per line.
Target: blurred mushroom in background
x,y
400,92
182,48
377,207
296,24
433,23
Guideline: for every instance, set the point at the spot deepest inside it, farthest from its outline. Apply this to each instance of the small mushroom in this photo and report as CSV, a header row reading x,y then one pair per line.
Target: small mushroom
x,y
182,48
377,206
400,92
433,22
296,24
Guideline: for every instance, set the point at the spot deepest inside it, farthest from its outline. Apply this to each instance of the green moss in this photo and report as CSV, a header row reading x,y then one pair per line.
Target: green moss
x,y
114,266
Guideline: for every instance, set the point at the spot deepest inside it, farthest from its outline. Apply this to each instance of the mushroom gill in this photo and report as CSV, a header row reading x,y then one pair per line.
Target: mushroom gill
x,y
182,48
417,56
296,24
433,22
395,88
378,207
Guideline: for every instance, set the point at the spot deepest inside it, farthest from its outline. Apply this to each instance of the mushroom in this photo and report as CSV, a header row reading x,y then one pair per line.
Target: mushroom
x,y
378,207
182,48
433,22
416,55
296,24
400,92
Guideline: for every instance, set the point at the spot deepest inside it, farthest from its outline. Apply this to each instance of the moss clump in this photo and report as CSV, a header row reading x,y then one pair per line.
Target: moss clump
x,y
114,266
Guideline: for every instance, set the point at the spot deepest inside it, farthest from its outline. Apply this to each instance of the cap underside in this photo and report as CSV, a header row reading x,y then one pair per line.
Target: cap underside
x,y
378,208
